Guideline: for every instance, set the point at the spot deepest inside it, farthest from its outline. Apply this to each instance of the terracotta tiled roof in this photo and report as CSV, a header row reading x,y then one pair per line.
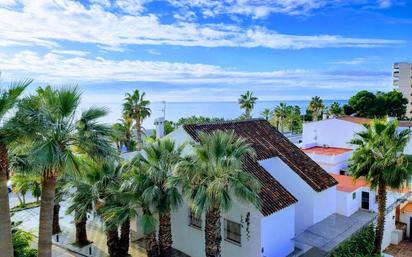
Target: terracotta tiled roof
x,y
268,143
360,120
354,119
348,183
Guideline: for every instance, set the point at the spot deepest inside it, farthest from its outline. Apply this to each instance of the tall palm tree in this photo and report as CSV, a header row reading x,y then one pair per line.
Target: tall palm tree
x,y
212,176
133,189
379,158
137,107
8,98
266,114
335,109
316,106
48,121
157,161
247,102
281,112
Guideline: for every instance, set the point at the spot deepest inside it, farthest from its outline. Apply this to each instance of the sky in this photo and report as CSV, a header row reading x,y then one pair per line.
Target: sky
x,y
205,50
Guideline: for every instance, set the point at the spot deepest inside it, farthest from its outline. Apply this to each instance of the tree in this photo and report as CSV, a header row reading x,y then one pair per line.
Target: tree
x,y
316,107
197,120
157,162
122,133
335,109
266,114
363,103
8,99
212,176
294,119
137,107
48,121
247,102
379,158
395,104
280,113
21,185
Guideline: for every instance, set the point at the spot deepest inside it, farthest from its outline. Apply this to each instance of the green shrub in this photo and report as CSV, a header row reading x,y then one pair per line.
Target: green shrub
x,y
359,245
21,244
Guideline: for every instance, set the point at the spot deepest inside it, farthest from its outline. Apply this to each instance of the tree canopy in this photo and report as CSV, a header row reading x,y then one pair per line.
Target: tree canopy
x,y
370,105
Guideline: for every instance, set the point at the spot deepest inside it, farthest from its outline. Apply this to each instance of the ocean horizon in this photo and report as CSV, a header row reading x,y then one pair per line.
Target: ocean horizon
x,y
220,109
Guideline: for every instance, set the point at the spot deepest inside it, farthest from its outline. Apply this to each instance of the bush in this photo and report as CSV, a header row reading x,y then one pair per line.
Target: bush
x,y
21,244
359,245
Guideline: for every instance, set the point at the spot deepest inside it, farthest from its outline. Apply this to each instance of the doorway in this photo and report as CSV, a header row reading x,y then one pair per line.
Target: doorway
x,y
365,200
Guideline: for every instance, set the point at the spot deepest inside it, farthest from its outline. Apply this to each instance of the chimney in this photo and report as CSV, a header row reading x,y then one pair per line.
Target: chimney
x,y
160,127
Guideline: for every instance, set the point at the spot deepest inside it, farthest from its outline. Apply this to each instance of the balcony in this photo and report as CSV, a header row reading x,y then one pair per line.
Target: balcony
x,y
396,74
396,83
396,65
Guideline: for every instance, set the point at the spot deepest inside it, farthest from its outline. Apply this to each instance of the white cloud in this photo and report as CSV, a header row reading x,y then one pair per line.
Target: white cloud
x,y
44,23
132,7
70,52
57,68
358,60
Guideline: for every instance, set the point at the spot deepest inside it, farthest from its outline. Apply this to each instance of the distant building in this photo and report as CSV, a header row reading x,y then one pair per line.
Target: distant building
x,y
402,79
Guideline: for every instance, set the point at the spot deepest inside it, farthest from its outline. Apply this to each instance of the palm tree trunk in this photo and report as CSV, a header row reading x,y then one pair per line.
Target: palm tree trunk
x,y
152,249
165,235
56,222
213,237
46,216
125,238
6,245
380,224
113,242
81,232
138,133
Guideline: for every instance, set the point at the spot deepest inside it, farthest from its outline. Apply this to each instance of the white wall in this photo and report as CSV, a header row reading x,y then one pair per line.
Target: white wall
x,y
191,240
389,227
278,230
331,132
346,205
312,206
331,163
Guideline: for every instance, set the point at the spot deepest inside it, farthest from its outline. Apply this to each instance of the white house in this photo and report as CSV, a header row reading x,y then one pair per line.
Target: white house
x,y
295,194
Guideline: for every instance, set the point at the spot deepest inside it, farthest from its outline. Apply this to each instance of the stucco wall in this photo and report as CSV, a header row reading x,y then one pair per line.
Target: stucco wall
x,y
345,204
191,240
312,206
331,132
277,233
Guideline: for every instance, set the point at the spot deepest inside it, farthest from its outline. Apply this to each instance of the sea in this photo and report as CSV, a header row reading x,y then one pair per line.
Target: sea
x,y
226,110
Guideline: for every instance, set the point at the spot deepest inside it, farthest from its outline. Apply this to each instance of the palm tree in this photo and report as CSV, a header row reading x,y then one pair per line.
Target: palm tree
x,y
122,133
316,107
136,107
379,158
132,190
281,112
247,101
8,98
335,109
48,121
266,114
212,176
157,161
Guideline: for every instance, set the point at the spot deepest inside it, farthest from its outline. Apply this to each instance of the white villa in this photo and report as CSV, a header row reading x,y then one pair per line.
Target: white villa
x,y
296,193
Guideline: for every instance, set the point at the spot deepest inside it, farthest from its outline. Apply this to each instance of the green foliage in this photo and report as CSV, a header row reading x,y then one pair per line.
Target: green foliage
x,y
359,245
316,107
367,104
287,118
22,243
335,109
197,120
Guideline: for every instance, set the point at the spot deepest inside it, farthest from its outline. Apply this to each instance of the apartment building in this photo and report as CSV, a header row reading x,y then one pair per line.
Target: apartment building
x,y
402,80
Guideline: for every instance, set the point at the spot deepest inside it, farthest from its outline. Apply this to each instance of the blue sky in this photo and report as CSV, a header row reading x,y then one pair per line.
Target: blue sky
x,y
206,50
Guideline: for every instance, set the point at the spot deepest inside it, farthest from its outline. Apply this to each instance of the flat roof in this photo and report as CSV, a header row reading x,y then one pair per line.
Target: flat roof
x,y
348,183
330,151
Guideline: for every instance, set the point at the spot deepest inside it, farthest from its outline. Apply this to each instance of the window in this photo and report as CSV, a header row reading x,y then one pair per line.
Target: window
x,y
353,195
233,232
195,221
